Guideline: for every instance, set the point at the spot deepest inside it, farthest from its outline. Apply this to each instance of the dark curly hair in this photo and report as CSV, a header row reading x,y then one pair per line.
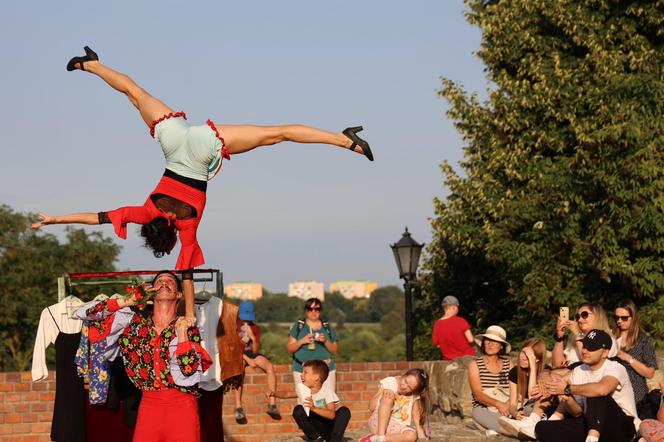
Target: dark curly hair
x,y
160,236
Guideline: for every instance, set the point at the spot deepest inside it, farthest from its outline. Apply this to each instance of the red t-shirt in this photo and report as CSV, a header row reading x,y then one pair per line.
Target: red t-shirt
x,y
450,336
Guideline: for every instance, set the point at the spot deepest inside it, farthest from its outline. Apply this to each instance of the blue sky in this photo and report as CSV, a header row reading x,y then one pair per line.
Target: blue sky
x,y
273,215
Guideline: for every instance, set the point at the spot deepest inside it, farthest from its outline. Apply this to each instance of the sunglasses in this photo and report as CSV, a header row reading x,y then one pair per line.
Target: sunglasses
x,y
313,309
622,318
583,315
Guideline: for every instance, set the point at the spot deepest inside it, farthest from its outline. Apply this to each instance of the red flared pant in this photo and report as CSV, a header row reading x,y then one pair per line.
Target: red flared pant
x,y
167,416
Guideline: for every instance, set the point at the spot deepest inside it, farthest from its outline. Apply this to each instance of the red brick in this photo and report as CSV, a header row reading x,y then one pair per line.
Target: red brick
x,y
37,406
21,387
374,366
22,407
31,396
39,386
26,376
389,366
23,428
352,396
12,418
29,418
359,386
49,396
12,377
7,387
45,416
358,366
402,365
12,397
39,428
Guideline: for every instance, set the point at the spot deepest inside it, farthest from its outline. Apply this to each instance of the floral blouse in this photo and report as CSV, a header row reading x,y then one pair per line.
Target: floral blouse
x,y
156,361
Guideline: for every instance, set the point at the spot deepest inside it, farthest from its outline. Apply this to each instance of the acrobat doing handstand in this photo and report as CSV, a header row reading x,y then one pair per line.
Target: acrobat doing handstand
x,y
194,155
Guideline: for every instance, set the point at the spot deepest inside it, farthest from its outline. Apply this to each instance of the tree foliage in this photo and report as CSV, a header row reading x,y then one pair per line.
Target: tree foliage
x,y
29,266
561,196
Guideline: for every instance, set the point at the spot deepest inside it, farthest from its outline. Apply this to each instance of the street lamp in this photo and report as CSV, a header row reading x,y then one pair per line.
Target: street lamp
x,y
407,255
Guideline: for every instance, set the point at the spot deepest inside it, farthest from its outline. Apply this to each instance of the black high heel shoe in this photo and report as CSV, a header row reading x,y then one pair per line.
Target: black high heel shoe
x,y
90,55
351,133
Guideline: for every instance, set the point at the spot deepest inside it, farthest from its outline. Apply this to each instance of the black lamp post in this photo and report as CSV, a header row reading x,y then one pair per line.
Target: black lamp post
x,y
407,255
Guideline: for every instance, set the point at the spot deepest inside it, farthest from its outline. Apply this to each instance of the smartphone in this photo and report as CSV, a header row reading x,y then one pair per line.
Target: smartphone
x,y
564,313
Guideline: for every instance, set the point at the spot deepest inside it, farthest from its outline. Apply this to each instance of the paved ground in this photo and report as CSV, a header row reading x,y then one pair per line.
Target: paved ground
x,y
443,429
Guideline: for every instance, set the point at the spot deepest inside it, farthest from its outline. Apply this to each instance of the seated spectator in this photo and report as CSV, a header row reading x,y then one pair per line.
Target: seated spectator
x,y
451,333
250,334
488,376
637,354
653,430
598,402
399,409
528,399
588,316
319,416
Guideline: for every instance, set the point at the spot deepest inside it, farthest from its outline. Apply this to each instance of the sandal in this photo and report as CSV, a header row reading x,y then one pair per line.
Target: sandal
x,y
273,412
240,416
90,55
351,133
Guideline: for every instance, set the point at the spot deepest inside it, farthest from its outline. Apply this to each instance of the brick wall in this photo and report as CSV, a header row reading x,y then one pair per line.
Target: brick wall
x,y
26,407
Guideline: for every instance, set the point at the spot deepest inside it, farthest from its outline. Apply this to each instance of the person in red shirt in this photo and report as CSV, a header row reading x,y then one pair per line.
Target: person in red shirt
x,y
451,333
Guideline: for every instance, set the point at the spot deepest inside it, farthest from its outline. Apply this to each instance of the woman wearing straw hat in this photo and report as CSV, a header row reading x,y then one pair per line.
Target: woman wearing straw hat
x,y
489,381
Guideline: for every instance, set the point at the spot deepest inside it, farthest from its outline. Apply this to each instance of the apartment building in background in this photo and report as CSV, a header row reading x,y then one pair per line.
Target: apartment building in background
x,y
247,291
354,289
307,289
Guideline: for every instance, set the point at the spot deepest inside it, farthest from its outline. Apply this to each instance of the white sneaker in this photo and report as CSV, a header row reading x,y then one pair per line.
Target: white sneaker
x,y
511,426
490,433
528,425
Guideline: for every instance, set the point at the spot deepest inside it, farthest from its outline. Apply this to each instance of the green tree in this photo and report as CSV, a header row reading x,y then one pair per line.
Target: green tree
x,y
277,307
384,300
561,197
29,266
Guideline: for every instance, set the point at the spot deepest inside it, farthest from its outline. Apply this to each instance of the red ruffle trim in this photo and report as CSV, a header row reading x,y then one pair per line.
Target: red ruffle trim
x,y
225,153
165,117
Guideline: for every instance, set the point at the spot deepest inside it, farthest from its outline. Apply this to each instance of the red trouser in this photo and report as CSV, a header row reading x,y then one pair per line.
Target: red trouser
x,y
167,416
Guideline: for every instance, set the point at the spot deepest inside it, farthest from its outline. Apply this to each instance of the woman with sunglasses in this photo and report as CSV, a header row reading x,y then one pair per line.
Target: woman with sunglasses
x,y
637,353
588,316
313,338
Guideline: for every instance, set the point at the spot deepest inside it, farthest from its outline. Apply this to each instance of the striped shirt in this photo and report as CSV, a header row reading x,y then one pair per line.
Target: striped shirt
x,y
490,380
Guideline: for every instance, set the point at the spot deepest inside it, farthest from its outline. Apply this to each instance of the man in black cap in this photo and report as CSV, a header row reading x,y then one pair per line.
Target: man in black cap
x,y
597,399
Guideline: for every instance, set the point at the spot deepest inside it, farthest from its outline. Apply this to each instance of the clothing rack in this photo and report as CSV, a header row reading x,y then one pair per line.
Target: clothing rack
x,y
69,280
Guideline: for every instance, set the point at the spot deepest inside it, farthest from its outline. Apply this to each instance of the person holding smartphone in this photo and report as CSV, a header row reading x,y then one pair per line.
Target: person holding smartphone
x,y
588,316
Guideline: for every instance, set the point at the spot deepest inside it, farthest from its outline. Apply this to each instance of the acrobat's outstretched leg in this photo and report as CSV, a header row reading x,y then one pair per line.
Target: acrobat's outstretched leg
x,y
243,138
150,107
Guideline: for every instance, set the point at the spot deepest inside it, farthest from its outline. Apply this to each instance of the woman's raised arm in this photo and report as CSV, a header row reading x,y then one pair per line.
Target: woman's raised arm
x,y
72,218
